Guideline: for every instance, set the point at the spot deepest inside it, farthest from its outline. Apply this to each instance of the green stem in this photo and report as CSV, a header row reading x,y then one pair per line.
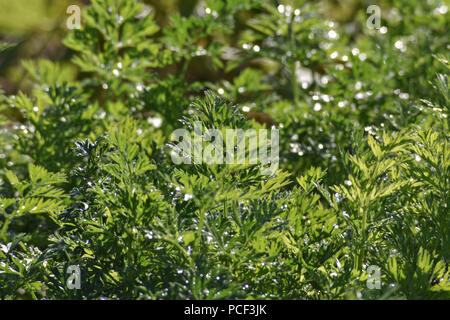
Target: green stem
x,y
293,68
6,224
179,247
362,252
200,227
184,68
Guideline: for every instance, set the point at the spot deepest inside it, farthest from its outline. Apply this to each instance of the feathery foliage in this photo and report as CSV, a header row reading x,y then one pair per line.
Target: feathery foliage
x,y
87,178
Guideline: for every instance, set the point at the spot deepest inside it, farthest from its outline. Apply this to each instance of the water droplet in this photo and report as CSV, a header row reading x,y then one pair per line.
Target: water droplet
x,y
404,96
342,104
400,45
332,34
441,10
156,122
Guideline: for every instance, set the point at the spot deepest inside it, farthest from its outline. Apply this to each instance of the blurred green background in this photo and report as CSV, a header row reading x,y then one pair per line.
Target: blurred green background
x,y
35,28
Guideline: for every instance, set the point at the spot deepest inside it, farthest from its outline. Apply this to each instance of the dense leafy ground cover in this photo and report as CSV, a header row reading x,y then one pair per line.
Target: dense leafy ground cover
x,y
86,176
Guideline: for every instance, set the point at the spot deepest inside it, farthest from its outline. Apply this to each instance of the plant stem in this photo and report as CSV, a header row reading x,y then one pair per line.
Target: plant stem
x,y
200,227
182,250
361,251
6,224
292,64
